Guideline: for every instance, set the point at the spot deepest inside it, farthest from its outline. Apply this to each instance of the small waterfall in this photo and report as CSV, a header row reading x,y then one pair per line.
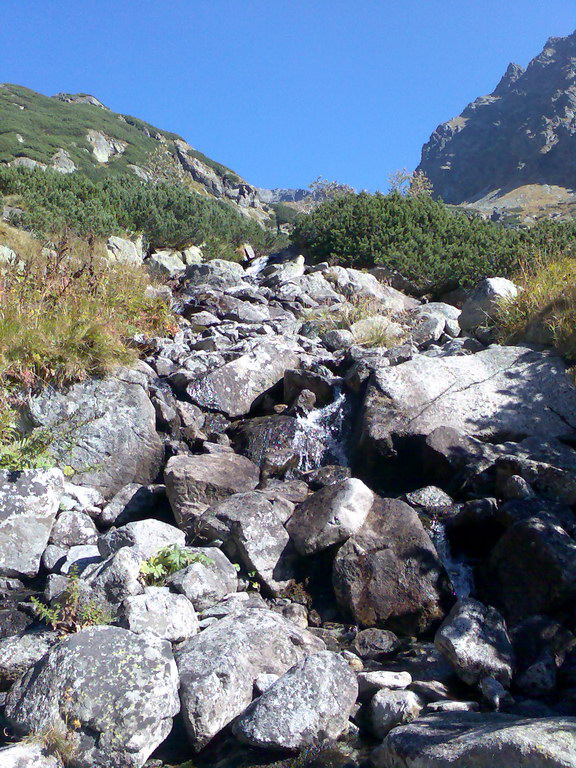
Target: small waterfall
x,y
321,435
458,569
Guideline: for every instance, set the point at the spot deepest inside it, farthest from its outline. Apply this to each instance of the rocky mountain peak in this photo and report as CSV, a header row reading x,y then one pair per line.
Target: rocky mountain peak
x,y
523,133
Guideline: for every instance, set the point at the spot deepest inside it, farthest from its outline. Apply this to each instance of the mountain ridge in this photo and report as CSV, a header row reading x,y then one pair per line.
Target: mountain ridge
x,y
78,133
523,133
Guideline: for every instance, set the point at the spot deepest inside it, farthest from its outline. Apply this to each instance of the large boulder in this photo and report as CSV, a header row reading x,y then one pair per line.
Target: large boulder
x,y
481,740
29,502
355,284
105,429
216,273
144,537
389,573
123,251
543,581
114,692
233,388
484,301
474,639
193,483
330,516
218,667
309,704
252,526
497,393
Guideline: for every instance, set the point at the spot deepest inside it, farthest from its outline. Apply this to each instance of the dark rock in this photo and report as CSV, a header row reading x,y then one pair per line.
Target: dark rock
x,y
389,573
375,644
543,583
269,442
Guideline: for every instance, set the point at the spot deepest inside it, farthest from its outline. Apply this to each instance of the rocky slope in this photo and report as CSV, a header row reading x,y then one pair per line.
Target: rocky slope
x,y
522,134
76,133
380,520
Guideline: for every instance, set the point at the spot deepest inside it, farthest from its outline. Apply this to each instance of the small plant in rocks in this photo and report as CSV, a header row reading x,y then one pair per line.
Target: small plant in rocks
x,y
73,612
156,569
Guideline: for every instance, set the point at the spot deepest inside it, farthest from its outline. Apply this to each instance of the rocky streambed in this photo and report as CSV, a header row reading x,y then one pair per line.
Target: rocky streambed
x,y
375,506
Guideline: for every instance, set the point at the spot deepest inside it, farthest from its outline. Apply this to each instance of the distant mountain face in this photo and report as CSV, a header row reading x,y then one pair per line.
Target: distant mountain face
x,y
523,133
76,133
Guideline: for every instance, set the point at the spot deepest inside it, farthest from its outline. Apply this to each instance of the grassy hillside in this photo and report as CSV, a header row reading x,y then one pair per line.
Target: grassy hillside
x,y
37,126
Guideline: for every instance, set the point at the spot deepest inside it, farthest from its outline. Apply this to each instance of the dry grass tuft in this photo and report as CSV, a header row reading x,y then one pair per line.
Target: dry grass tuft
x,y
545,310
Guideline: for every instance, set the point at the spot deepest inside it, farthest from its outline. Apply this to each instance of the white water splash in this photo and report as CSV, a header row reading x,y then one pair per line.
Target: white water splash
x,y
460,572
319,438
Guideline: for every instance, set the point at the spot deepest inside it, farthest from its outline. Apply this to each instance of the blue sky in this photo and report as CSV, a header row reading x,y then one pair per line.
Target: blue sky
x,y
282,91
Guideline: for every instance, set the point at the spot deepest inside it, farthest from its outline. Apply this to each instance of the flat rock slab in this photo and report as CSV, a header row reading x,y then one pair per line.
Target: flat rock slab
x,y
498,393
481,740
29,502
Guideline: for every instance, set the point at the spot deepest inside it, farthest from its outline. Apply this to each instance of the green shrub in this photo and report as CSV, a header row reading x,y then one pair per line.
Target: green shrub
x,y
167,561
72,613
422,238
168,215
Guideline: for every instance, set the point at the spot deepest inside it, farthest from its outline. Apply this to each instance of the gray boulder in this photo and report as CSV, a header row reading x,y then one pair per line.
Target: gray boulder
x,y
389,709
114,427
161,613
166,264
481,740
252,527
389,574
233,388
117,577
474,639
330,516
217,273
308,704
207,581
144,537
73,528
121,688
483,302
502,391
121,250
19,652
28,755
193,483
218,667
29,502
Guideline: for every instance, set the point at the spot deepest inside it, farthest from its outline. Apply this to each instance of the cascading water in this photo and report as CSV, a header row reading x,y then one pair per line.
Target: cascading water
x,y
321,435
458,569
